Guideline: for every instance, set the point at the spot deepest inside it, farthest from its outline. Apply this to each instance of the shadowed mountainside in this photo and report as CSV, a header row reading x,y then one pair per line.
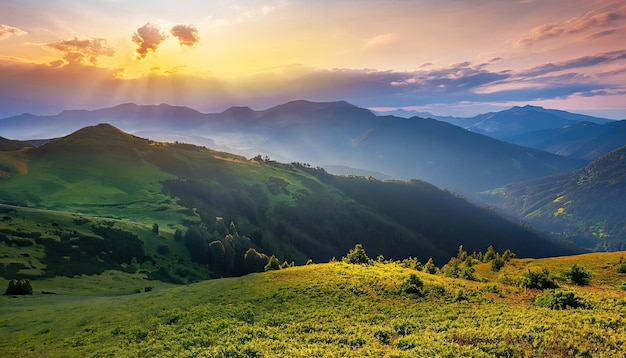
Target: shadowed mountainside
x,y
289,210
585,205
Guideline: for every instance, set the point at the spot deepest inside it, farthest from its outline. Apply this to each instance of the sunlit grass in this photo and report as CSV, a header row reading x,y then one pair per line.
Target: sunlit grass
x,y
331,309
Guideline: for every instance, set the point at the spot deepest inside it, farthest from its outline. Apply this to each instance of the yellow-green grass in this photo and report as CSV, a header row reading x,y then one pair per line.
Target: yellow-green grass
x,y
324,310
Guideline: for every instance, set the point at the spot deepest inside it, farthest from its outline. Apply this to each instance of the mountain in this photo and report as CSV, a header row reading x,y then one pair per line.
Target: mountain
x,y
331,133
520,120
179,203
582,140
585,205
129,116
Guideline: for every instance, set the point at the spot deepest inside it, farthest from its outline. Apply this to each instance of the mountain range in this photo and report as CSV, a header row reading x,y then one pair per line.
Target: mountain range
x,y
555,131
323,134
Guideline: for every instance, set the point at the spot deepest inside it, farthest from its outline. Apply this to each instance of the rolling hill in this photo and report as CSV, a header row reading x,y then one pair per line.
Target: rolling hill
x,y
333,134
585,205
210,208
330,309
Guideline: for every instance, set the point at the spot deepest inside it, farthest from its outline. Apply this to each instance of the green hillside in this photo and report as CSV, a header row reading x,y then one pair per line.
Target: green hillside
x,y
334,310
176,208
585,206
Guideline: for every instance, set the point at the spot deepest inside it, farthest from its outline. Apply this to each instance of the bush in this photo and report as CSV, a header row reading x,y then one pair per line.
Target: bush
x,y
537,279
412,285
272,264
560,300
577,275
383,336
19,287
163,249
497,263
357,256
621,266
430,267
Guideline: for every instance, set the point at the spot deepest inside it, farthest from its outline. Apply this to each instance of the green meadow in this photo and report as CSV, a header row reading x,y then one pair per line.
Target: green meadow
x,y
333,309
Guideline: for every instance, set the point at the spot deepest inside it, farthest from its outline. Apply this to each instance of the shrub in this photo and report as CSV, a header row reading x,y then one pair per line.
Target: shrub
x,y
621,266
163,249
272,264
383,336
412,285
490,254
497,263
357,256
577,275
560,300
537,279
19,287
430,267
403,327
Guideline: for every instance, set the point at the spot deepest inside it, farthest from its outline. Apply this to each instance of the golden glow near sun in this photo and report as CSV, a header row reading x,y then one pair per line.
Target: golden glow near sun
x,y
449,57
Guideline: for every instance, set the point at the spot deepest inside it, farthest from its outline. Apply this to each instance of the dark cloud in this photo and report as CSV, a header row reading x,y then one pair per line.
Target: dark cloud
x,y
186,34
80,51
580,62
459,77
148,38
8,31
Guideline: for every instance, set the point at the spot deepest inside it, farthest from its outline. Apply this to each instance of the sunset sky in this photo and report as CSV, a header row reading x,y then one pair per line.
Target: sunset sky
x,y
448,57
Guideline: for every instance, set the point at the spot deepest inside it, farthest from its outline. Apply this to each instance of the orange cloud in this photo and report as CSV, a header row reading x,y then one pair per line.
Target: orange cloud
x,y
186,34
148,38
78,51
8,31
572,26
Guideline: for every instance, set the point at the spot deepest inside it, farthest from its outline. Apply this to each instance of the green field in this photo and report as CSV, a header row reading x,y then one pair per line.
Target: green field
x,y
325,310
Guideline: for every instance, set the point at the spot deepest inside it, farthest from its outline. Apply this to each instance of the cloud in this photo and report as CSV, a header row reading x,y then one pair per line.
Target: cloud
x,y
8,31
79,51
186,34
148,38
586,61
572,26
382,40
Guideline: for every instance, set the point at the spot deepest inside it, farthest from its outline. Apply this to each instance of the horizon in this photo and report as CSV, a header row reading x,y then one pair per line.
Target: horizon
x,y
449,59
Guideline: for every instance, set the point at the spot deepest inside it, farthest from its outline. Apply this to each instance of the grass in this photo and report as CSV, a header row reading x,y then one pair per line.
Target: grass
x,y
322,310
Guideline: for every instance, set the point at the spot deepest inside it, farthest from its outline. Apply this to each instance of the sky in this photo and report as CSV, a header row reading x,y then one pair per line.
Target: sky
x,y
448,57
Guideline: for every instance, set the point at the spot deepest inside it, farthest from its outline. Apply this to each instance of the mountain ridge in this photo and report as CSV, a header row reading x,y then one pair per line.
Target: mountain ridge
x,y
333,133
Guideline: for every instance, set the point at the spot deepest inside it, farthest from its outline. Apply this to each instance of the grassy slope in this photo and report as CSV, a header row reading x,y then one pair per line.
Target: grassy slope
x,y
332,309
